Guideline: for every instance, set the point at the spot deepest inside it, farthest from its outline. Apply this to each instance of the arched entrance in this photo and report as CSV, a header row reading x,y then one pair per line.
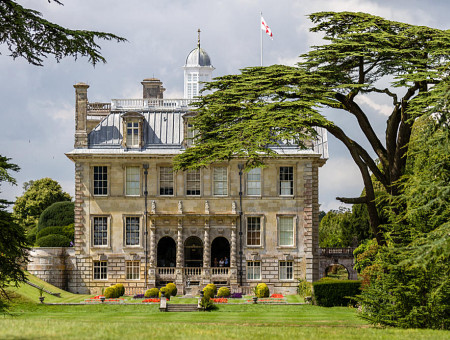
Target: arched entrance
x,y
166,252
193,252
220,249
337,271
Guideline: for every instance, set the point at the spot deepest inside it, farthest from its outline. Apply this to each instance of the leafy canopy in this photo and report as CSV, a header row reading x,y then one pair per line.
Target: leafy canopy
x,y
28,35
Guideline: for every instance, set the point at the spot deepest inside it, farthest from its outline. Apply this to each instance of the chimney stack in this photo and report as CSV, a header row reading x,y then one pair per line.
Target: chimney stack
x,y
152,88
81,103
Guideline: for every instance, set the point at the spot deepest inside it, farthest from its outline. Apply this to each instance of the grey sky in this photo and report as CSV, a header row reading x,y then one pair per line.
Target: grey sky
x,y
37,112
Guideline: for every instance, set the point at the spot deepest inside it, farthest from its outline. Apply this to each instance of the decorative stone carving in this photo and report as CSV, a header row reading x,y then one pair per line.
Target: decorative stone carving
x,y
233,207
153,209
206,207
180,207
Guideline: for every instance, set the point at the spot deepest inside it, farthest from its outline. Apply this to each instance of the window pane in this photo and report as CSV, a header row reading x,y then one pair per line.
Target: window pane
x,y
132,231
100,270
100,231
193,183
100,180
133,134
254,182
132,270
220,181
165,181
286,180
286,270
254,231
253,270
286,231
133,181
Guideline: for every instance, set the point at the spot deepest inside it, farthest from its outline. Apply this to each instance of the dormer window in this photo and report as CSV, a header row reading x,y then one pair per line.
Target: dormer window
x,y
189,131
132,130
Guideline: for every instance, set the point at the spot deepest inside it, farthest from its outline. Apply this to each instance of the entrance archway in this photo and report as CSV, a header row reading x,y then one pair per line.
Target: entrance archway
x,y
193,252
220,248
337,271
166,252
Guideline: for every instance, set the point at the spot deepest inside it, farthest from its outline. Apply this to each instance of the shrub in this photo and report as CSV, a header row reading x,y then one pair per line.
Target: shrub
x,y
164,292
152,293
50,231
304,288
329,293
121,289
206,303
213,287
208,292
224,292
110,292
69,231
172,289
59,213
31,236
262,291
53,240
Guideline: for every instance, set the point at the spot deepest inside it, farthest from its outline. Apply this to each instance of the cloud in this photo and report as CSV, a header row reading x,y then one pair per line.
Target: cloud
x,y
383,109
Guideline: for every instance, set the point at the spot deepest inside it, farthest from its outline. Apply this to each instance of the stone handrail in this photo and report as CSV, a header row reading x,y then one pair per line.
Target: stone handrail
x,y
219,270
140,103
193,271
166,271
96,107
337,251
45,290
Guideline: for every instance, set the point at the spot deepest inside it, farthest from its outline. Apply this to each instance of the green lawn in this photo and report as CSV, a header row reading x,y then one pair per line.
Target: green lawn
x,y
31,320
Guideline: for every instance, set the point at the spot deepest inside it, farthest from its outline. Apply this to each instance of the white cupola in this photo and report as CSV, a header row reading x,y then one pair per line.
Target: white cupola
x,y
197,69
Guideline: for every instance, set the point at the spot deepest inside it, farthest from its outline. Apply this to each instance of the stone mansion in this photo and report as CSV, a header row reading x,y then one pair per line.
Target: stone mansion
x,y
139,223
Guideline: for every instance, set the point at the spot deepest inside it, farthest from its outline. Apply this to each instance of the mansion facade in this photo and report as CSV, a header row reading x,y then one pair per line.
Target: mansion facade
x,y
139,223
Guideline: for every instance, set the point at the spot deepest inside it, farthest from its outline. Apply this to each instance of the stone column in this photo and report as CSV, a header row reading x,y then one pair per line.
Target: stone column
x,y
311,221
233,245
180,262
206,246
153,260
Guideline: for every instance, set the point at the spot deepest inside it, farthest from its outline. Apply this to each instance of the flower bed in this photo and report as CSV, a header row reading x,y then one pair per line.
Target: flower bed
x,y
97,299
220,300
277,296
151,301
269,300
138,296
236,296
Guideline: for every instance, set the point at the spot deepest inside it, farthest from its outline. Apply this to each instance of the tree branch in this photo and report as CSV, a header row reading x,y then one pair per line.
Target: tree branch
x,y
354,200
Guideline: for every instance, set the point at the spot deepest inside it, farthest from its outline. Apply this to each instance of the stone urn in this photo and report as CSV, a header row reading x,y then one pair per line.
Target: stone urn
x,y
41,298
102,298
255,299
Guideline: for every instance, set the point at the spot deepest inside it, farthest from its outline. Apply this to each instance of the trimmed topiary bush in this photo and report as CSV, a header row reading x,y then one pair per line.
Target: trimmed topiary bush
x,y
172,289
262,291
152,293
58,214
50,231
53,240
164,292
213,287
329,293
208,292
223,292
31,236
121,289
110,292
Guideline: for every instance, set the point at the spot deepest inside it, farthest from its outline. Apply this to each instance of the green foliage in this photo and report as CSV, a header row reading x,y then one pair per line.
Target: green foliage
x,y
329,293
164,292
53,240
58,214
40,195
110,292
33,38
121,289
224,292
31,236
365,255
213,287
206,303
65,231
208,292
262,290
171,289
151,293
304,288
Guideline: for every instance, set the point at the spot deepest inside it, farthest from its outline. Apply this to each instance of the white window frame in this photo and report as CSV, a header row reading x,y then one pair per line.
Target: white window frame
x,y
294,227
250,174
261,222
282,182
190,134
108,228
104,180
102,267
137,192
162,180
253,270
132,270
125,233
220,181
286,269
133,139
199,181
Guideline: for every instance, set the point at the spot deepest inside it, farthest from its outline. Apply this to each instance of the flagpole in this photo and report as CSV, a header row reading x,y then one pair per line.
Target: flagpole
x,y
261,36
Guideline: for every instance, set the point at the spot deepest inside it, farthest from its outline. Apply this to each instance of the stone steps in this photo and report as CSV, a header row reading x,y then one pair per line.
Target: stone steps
x,y
171,307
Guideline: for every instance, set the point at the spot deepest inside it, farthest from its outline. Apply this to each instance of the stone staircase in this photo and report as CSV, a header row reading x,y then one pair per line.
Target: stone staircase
x,y
178,307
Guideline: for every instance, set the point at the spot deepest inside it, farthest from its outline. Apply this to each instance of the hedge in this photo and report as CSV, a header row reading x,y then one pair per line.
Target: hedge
x,y
213,287
58,214
114,291
223,292
172,289
208,292
53,240
151,293
331,293
262,291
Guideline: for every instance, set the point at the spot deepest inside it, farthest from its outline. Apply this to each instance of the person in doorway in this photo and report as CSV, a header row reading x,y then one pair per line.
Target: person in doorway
x,y
226,262
216,263
221,262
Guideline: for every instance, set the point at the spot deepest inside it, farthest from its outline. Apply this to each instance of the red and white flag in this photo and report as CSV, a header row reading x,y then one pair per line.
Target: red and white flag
x,y
266,28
